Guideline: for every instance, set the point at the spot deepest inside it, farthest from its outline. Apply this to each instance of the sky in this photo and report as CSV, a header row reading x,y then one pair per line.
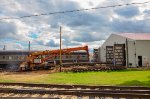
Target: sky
x,y
91,27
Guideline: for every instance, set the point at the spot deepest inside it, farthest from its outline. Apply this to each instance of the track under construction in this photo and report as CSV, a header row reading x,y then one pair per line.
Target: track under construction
x,y
72,91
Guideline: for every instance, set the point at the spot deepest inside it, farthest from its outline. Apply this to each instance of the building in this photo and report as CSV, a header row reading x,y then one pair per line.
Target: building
x,y
11,59
126,49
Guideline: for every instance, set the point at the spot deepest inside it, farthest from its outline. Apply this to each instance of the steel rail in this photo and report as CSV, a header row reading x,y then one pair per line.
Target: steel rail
x,y
84,90
77,86
78,93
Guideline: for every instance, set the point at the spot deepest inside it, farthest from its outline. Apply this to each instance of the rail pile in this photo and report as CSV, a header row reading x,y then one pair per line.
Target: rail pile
x,y
72,91
95,68
86,64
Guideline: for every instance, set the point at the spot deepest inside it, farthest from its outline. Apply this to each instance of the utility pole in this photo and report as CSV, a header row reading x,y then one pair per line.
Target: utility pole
x,y
29,46
60,50
127,57
4,48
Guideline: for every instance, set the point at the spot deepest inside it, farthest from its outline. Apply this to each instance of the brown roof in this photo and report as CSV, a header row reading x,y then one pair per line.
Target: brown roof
x,y
136,36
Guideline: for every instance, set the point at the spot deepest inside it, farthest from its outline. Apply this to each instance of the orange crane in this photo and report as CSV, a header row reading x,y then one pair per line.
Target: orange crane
x,y
39,58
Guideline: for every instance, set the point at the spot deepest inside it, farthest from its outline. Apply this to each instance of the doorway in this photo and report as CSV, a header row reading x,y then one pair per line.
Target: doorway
x,y
140,61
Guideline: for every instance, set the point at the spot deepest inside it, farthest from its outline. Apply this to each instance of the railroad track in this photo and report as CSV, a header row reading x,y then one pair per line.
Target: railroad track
x,y
72,91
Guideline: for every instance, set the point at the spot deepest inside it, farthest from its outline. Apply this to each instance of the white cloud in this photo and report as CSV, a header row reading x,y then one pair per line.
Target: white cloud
x,y
80,28
88,3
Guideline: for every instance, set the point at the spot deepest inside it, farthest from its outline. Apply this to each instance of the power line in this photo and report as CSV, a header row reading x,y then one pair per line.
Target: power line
x,y
71,11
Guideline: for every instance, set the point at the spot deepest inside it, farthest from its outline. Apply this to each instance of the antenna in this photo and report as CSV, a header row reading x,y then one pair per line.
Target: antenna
x,y
4,48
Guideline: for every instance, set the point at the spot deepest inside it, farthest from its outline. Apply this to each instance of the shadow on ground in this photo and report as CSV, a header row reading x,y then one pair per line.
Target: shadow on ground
x,y
136,83
126,70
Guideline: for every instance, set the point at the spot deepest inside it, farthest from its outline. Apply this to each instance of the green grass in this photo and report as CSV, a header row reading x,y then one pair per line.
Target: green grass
x,y
127,78
119,78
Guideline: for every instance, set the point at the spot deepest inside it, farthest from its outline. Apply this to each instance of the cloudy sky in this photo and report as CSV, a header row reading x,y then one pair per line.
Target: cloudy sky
x,y
90,27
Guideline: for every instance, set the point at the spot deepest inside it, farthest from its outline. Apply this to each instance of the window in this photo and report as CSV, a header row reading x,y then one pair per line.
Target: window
x,y
66,56
83,56
10,57
3,57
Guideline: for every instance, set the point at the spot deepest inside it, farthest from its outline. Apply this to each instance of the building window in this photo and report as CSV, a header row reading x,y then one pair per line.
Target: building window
x,y
3,57
17,57
10,57
66,56
83,56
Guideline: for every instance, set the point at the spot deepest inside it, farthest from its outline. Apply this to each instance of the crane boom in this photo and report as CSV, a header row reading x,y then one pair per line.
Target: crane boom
x,y
67,50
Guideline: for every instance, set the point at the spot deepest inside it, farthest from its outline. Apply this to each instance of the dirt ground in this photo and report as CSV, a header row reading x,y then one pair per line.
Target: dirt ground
x,y
30,74
27,76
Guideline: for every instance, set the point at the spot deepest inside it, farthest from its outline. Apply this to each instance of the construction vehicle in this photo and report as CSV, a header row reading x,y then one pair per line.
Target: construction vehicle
x,y
39,59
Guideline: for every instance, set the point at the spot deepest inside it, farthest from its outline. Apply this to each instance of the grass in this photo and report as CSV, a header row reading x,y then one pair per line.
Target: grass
x,y
120,78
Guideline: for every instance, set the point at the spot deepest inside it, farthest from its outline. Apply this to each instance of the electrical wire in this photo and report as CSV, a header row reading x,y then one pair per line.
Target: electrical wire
x,y
71,11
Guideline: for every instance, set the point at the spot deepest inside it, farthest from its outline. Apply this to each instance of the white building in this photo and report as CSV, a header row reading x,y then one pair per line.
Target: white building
x,y
128,49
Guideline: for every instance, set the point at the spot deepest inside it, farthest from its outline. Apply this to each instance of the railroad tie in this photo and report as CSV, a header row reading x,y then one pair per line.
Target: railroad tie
x,y
45,96
85,97
74,97
2,94
35,95
16,95
7,95
26,95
